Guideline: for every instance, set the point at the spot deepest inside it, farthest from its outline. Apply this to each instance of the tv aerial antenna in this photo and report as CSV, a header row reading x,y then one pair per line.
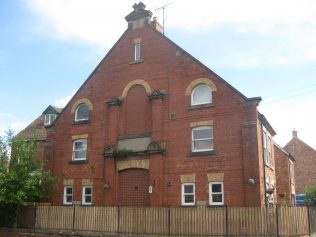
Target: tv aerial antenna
x,y
163,14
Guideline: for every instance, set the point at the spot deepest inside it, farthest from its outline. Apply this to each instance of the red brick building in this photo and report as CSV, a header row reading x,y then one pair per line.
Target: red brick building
x,y
305,165
153,126
284,170
37,130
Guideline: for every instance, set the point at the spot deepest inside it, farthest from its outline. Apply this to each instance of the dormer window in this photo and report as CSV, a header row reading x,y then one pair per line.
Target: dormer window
x,y
50,114
82,113
137,52
49,119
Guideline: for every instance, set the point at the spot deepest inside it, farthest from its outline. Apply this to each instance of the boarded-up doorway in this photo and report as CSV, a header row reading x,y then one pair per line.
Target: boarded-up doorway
x,y
133,188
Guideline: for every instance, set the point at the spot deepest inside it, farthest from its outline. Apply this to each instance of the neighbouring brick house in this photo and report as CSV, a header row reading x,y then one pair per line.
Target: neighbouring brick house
x,y
305,162
153,126
37,130
284,171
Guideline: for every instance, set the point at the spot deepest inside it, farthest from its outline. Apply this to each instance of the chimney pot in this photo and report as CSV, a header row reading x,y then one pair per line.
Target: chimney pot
x,y
294,133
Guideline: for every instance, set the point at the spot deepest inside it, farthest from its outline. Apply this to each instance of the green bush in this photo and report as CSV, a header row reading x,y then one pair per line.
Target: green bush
x,y
310,195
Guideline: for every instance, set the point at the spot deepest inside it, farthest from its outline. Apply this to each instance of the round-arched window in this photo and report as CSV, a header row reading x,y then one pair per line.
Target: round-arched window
x,y
202,94
82,112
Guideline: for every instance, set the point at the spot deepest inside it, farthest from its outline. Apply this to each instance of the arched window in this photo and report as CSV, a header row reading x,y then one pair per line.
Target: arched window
x,y
82,113
201,94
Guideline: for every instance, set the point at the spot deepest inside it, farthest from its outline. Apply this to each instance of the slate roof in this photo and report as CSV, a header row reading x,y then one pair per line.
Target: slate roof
x,y
34,130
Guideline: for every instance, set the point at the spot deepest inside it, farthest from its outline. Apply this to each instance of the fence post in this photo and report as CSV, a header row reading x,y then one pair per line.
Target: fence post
x,y
309,221
169,222
17,216
118,219
73,218
226,216
35,215
277,220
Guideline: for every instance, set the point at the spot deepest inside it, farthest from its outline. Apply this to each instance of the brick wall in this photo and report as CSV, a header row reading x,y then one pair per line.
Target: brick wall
x,y
168,68
285,186
305,162
133,186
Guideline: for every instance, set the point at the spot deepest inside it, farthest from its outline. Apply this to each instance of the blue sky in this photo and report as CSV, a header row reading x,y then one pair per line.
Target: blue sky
x,y
262,48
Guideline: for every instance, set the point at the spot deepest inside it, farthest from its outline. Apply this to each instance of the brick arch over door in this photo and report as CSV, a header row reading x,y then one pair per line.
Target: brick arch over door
x,y
137,111
133,188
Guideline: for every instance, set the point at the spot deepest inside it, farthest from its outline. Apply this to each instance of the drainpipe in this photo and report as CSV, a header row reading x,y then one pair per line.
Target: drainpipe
x,y
264,165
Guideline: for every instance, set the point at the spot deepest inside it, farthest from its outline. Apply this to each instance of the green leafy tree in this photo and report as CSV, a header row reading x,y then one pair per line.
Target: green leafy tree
x,y
22,178
310,195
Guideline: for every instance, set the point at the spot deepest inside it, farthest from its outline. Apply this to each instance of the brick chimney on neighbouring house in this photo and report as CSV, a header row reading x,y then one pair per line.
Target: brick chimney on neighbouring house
x,y
294,133
157,25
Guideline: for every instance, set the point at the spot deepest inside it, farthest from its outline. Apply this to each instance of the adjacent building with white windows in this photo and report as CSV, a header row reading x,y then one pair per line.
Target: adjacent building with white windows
x,y
153,126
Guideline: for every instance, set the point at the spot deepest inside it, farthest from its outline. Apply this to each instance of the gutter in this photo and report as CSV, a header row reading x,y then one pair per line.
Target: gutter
x,y
264,165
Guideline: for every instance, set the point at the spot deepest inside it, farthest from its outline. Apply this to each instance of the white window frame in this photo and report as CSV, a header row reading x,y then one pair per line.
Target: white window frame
x,y
265,150
195,91
211,193
49,119
270,154
66,195
73,149
204,139
76,114
183,203
137,55
84,194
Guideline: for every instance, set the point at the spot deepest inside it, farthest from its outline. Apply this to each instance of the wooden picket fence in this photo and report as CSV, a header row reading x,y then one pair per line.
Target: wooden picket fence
x,y
218,221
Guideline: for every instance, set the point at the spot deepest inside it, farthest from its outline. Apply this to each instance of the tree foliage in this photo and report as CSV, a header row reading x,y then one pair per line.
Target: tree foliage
x,y
310,195
22,178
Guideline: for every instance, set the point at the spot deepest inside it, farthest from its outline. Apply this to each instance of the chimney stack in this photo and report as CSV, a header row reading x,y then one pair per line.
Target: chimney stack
x,y
294,133
155,24
140,17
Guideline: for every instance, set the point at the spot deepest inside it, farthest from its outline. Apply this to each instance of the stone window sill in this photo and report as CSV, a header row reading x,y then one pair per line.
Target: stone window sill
x,y
203,106
74,162
136,62
201,153
188,206
213,206
81,122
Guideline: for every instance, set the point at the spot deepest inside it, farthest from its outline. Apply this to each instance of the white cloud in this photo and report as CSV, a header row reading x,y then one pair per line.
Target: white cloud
x,y
289,23
258,13
285,116
10,122
18,125
7,115
62,102
95,21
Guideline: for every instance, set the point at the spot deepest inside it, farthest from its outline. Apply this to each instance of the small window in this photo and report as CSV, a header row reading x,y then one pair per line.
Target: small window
x,y
79,149
137,52
82,113
188,194
202,138
68,194
87,195
216,193
201,94
49,119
